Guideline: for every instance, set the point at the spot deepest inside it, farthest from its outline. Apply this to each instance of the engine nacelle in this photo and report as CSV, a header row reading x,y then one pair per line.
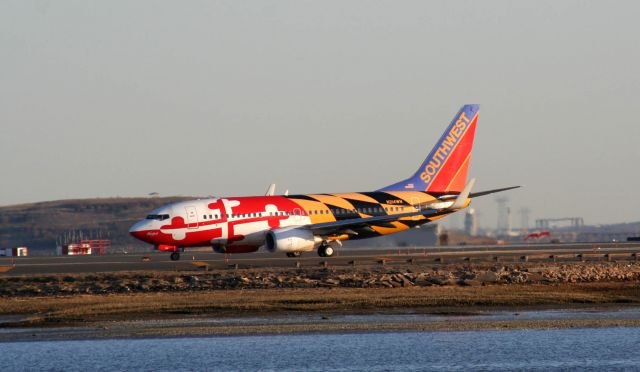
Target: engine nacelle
x,y
291,239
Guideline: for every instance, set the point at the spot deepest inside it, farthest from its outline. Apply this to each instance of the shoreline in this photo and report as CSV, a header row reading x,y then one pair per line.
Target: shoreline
x,y
148,304
287,311
598,317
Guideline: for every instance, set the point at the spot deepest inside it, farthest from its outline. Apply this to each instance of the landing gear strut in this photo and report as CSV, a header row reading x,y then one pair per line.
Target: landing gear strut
x,y
293,254
175,256
325,250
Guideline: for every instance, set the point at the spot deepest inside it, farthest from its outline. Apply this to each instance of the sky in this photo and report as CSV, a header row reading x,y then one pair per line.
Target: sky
x,y
125,98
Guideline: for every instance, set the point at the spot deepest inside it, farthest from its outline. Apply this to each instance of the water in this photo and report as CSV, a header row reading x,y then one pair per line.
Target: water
x,y
548,350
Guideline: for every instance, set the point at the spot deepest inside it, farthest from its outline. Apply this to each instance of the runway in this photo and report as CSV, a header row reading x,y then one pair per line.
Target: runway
x,y
191,260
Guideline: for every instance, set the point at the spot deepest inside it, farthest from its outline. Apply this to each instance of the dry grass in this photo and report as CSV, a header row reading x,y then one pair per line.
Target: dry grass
x,y
91,308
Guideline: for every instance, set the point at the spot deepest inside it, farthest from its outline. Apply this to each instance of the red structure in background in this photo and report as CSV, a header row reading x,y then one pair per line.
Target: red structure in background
x,y
98,246
538,235
93,246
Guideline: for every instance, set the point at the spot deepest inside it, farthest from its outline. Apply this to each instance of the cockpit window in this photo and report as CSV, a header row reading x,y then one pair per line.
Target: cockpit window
x,y
158,217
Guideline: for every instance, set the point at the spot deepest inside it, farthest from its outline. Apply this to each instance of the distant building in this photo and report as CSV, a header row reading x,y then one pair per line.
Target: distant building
x,y
423,236
471,222
15,252
74,249
93,246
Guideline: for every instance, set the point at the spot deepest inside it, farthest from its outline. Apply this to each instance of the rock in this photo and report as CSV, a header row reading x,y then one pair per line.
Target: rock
x,y
333,282
386,284
473,283
406,282
488,277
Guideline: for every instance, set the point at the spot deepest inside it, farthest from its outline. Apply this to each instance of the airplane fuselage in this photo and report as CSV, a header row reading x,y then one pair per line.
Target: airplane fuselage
x,y
240,224
302,223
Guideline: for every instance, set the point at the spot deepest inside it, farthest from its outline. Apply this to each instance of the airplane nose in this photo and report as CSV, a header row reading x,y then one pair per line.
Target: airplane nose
x,y
136,227
138,230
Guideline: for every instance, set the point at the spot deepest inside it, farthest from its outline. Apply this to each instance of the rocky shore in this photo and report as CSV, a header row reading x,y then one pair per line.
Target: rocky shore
x,y
379,277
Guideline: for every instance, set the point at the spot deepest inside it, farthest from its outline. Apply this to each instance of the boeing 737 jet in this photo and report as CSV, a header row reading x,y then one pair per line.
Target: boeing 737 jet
x,y
294,224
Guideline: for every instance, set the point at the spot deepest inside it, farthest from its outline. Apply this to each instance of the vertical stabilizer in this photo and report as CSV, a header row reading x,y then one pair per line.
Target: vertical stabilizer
x,y
445,169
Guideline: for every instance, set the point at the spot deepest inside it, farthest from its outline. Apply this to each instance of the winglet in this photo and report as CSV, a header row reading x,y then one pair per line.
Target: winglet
x,y
464,195
271,190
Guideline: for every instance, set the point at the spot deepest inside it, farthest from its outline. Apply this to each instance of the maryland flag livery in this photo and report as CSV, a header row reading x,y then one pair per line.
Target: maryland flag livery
x,y
302,223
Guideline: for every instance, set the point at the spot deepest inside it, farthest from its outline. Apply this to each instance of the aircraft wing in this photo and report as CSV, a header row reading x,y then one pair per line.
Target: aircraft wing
x,y
349,226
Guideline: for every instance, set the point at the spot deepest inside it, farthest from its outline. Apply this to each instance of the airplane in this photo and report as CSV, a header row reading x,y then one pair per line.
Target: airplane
x,y
295,224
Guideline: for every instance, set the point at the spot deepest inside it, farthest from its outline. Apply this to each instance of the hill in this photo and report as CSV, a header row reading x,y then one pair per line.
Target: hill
x,y
39,225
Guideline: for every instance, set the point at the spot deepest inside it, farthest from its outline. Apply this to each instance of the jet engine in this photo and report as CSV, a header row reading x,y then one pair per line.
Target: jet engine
x,y
166,248
291,239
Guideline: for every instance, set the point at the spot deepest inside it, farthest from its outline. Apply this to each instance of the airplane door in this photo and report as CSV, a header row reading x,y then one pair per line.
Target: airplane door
x,y
192,217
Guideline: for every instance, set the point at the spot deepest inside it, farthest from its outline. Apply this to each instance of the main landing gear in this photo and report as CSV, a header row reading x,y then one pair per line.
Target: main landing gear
x,y
175,256
325,250
294,254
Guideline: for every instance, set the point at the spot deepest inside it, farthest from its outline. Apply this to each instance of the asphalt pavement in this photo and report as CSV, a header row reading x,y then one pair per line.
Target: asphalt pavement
x,y
198,260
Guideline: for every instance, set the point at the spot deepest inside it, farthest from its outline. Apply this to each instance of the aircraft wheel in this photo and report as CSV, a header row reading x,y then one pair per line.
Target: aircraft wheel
x,y
328,251
325,251
175,256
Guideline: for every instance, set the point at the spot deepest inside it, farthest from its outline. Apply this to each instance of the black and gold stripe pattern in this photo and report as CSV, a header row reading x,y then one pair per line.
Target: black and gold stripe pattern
x,y
321,208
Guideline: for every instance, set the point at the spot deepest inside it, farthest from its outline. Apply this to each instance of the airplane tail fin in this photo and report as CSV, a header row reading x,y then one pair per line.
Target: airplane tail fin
x,y
445,169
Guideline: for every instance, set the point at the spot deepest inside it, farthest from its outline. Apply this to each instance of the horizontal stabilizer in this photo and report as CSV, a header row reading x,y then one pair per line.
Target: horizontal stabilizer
x,y
483,193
